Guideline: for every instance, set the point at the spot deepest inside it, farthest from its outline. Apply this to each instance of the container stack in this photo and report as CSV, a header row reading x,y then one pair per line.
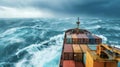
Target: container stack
x,y
85,39
77,52
68,63
82,39
71,63
68,52
84,48
68,39
74,39
91,39
72,55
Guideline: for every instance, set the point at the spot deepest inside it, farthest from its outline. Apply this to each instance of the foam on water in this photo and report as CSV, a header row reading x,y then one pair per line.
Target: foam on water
x,y
94,27
49,54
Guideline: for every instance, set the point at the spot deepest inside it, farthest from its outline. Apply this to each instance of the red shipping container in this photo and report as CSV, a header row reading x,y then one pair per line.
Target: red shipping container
x,y
68,63
86,39
68,52
66,44
79,64
80,39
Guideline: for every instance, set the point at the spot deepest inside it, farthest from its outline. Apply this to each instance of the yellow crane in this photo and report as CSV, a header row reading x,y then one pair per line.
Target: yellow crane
x,y
110,51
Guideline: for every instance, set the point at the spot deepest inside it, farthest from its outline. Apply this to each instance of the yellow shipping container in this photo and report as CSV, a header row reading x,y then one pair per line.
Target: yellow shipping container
x,y
84,48
77,52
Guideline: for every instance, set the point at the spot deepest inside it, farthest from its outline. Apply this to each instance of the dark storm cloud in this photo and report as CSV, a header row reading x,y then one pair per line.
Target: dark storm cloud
x,y
103,8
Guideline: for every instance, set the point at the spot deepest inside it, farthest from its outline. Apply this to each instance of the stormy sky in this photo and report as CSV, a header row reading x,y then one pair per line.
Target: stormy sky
x,y
53,8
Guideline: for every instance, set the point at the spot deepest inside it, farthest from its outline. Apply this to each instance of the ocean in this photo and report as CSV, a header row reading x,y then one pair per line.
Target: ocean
x,y
37,42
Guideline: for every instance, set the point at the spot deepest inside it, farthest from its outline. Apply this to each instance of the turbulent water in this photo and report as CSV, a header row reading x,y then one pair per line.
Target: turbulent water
x,y
38,42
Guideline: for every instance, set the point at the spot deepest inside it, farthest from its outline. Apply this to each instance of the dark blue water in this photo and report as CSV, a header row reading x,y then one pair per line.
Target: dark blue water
x,y
38,42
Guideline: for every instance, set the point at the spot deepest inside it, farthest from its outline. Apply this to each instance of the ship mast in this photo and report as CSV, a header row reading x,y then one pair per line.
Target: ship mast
x,y
77,29
78,23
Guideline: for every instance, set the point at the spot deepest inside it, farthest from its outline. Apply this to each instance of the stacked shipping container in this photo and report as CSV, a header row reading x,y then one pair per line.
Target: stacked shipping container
x,y
84,48
79,64
82,39
85,39
68,52
77,52
91,39
74,51
72,56
74,39
68,63
68,39
71,63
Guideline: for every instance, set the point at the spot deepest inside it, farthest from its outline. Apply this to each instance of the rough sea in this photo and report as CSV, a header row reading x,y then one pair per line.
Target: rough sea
x,y
37,42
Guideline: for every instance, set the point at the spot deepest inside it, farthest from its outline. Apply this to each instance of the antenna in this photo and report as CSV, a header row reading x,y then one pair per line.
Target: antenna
x,y
78,22
78,19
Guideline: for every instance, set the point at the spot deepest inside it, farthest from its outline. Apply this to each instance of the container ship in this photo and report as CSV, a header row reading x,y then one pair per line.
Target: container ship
x,y
81,48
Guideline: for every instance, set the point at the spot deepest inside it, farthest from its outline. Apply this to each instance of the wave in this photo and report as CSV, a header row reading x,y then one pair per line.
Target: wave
x,y
37,55
28,42
13,30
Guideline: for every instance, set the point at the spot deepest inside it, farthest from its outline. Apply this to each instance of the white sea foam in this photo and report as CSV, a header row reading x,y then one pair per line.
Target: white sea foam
x,y
8,32
16,40
11,35
37,45
45,56
11,31
115,28
21,62
94,27
30,47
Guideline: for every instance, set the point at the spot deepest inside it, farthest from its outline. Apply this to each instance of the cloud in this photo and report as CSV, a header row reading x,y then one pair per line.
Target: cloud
x,y
8,12
97,8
